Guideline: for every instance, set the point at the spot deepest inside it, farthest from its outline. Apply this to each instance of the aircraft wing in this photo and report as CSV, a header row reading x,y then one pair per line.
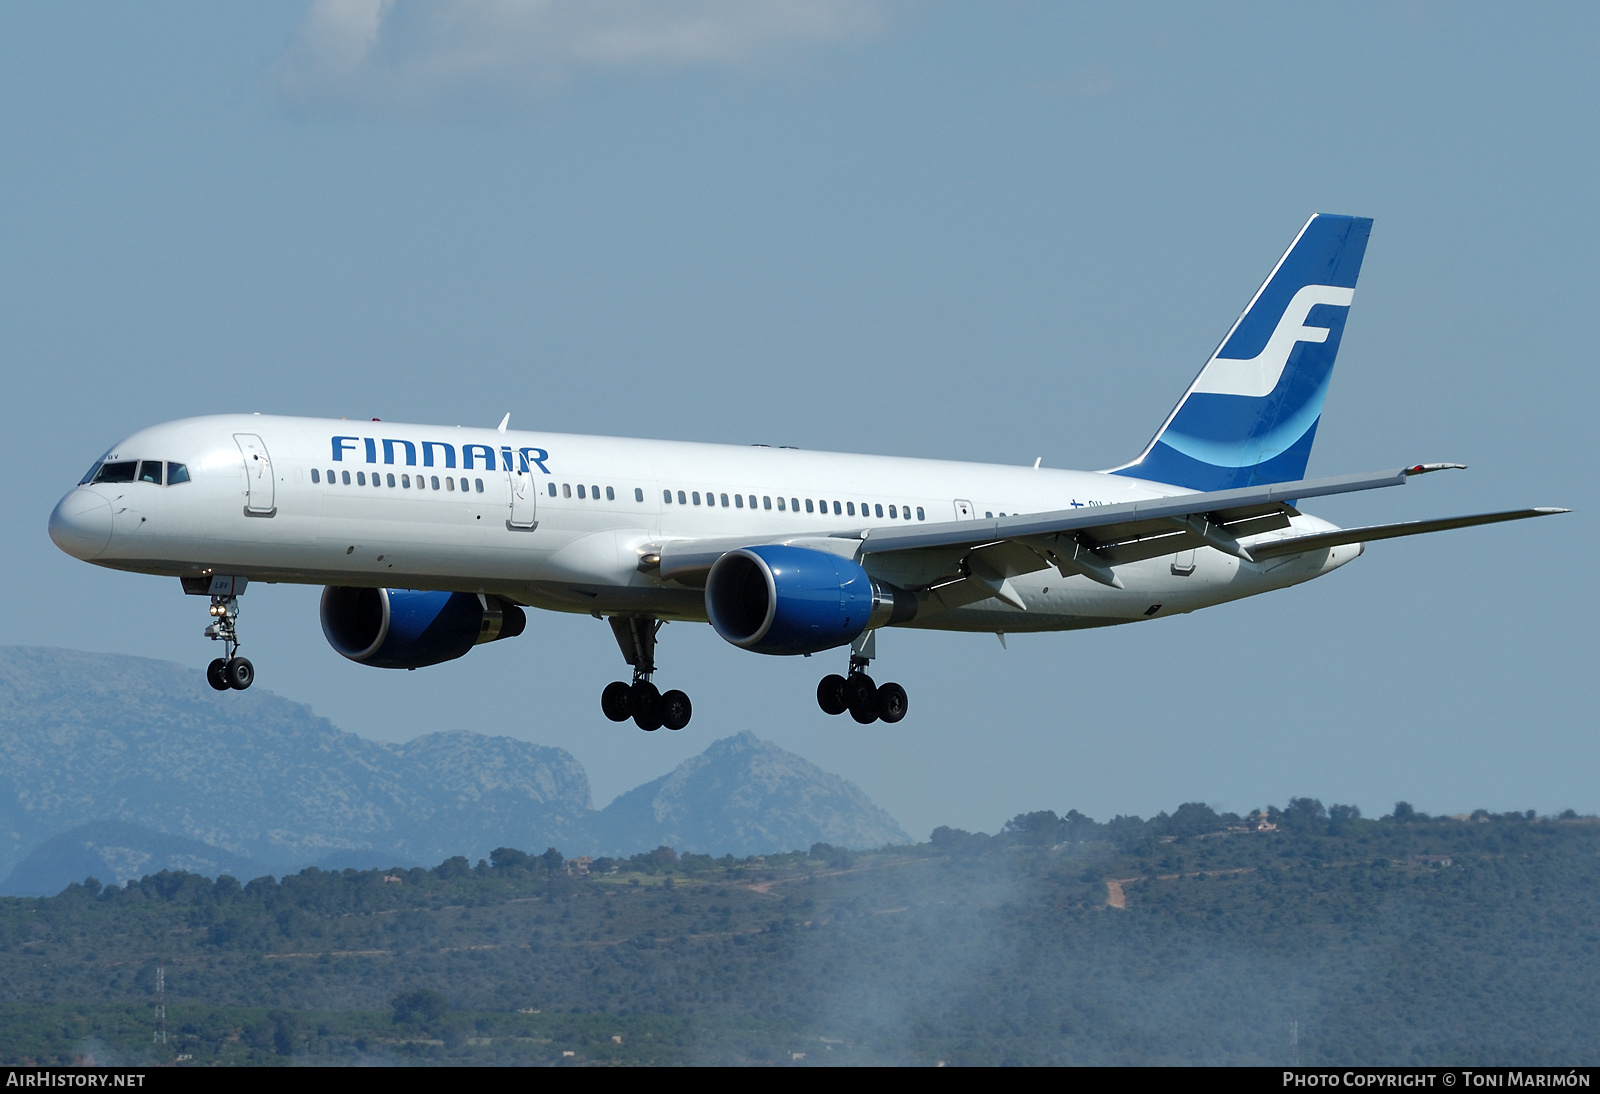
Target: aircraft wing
x,y
1090,541
1086,541
1296,544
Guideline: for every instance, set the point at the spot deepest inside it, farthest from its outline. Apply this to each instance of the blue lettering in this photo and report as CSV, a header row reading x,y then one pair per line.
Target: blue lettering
x,y
372,450
535,456
342,443
505,457
427,453
466,456
388,452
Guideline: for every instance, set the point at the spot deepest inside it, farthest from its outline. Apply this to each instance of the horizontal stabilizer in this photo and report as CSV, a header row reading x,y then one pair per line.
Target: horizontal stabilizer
x,y
1300,544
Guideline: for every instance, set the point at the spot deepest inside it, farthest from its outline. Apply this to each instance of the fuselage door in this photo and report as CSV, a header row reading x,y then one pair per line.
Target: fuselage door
x,y
259,482
964,509
523,498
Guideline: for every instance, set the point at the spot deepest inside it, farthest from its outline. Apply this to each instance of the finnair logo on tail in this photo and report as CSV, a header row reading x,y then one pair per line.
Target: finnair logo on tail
x,y
1257,376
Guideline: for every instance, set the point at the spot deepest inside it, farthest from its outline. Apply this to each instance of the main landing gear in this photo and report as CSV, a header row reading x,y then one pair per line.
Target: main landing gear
x,y
649,707
866,701
231,671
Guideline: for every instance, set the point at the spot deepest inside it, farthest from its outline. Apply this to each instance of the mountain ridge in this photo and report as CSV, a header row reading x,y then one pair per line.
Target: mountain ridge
x,y
86,738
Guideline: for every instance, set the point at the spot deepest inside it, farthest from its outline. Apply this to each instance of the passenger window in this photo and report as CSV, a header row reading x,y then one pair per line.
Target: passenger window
x,y
836,509
377,479
850,506
738,501
552,489
905,512
724,501
150,471
390,477
920,514
638,494
987,513
594,492
116,472
808,505
580,490
766,502
177,472
315,477
433,482
877,510
476,482
680,497
696,497
781,507
794,503
405,481
361,478
611,495
666,497
893,515
566,490
346,477
449,484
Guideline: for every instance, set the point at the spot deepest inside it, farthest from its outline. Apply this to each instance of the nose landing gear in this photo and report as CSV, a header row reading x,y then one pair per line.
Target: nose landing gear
x,y
866,701
231,671
649,707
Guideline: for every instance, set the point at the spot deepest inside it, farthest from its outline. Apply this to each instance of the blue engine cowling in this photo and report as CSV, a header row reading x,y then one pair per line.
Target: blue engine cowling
x,y
410,628
785,600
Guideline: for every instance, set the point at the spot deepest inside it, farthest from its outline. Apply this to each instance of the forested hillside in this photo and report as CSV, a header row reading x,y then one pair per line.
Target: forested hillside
x,y
1188,938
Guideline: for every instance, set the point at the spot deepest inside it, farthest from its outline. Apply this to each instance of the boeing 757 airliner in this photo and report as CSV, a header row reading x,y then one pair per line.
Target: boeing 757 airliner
x,y
431,540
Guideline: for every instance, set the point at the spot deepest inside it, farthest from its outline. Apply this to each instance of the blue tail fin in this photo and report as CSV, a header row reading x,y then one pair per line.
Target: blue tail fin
x,y
1252,413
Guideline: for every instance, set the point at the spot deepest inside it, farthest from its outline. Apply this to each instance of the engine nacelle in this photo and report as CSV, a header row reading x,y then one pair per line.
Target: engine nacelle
x,y
410,628
784,600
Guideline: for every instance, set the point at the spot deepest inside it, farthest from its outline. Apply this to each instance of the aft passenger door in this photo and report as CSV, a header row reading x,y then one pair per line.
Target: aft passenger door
x,y
259,482
523,500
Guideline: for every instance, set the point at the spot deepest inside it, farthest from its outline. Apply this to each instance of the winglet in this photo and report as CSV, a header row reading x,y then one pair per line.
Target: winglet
x,y
1425,468
505,421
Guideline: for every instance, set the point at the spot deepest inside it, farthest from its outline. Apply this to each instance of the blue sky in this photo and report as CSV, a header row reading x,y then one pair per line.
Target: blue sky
x,y
978,232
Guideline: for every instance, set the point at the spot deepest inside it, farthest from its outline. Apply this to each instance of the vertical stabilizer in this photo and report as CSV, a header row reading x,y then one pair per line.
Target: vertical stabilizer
x,y
1252,413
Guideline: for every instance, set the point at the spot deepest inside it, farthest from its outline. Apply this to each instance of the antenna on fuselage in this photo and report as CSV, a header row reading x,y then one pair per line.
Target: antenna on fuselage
x,y
505,421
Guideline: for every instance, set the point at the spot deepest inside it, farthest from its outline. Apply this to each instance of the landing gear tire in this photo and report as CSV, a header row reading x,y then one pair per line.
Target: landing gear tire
x,y
614,701
891,702
240,673
830,695
862,696
217,674
676,710
644,701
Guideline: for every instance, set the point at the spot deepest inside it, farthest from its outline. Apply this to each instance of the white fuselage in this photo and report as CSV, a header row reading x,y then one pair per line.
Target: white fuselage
x,y
566,525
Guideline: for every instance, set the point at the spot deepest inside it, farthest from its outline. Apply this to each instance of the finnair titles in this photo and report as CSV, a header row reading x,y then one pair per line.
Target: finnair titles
x,y
431,540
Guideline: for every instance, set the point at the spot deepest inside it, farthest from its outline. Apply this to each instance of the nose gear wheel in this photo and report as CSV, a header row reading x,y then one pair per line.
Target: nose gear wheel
x,y
232,671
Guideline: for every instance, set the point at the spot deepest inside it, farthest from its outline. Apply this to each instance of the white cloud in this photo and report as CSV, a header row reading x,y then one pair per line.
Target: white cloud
x,y
415,52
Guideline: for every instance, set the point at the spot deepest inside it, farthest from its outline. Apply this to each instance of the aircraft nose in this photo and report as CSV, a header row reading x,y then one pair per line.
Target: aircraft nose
x,y
81,524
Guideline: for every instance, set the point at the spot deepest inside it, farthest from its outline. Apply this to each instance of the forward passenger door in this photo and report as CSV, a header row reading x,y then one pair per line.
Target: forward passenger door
x,y
259,482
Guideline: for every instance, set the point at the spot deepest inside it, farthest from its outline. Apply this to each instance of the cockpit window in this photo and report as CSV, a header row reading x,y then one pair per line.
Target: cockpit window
x,y
121,471
176,473
150,471
88,476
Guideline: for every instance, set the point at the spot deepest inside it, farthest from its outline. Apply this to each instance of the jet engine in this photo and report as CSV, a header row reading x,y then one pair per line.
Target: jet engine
x,y
410,628
784,600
